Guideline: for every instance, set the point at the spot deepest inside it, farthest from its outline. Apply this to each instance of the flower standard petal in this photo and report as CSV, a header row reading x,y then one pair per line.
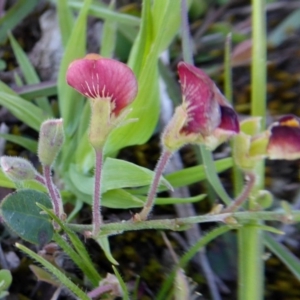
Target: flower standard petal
x,y
199,99
96,77
284,142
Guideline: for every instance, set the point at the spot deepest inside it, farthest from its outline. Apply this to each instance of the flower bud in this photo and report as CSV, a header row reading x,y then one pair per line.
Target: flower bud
x,y
17,168
51,140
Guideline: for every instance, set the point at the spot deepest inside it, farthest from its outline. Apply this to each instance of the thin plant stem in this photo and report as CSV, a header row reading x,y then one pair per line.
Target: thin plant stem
x,y
250,236
57,203
97,217
180,224
42,180
161,164
244,194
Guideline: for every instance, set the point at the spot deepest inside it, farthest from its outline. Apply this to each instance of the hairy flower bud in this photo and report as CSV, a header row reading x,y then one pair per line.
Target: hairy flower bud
x,y
51,140
17,168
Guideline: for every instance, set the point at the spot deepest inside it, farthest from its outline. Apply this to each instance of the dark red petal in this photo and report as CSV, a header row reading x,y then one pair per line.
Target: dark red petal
x,y
284,143
199,99
229,120
103,78
289,120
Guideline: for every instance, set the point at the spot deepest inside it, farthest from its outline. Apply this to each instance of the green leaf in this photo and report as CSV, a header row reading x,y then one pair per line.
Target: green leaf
x,y
43,275
5,182
15,15
65,20
170,22
109,32
194,174
31,91
99,11
122,284
25,111
104,244
29,73
289,259
77,259
119,198
117,174
285,29
62,278
5,279
86,261
70,101
188,256
27,143
171,200
21,214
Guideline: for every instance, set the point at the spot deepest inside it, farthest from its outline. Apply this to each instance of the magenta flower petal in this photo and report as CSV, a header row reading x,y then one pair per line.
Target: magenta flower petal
x,y
284,142
97,77
229,120
199,99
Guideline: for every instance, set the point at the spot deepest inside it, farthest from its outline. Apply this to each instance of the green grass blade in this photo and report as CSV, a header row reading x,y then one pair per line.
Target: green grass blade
x,y
108,41
70,101
62,278
15,15
77,244
188,256
99,11
76,258
197,173
284,254
25,111
65,20
31,91
29,73
122,284
27,143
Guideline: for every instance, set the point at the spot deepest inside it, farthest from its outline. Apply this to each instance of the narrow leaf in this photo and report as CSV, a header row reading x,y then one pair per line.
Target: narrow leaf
x,y
62,278
65,20
29,73
27,143
15,15
285,255
25,111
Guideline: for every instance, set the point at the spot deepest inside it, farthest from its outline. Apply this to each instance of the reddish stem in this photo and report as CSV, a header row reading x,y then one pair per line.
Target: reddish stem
x,y
161,164
57,203
244,194
97,218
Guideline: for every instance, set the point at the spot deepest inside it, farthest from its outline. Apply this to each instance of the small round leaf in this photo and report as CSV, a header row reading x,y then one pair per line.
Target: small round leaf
x,y
21,214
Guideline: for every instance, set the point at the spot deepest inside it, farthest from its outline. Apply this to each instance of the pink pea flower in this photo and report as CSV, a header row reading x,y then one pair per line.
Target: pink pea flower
x,y
99,78
204,117
110,86
284,141
207,108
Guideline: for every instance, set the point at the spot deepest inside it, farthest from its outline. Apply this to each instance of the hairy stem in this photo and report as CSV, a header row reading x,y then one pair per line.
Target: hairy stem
x,y
97,218
244,194
57,202
162,162
180,224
